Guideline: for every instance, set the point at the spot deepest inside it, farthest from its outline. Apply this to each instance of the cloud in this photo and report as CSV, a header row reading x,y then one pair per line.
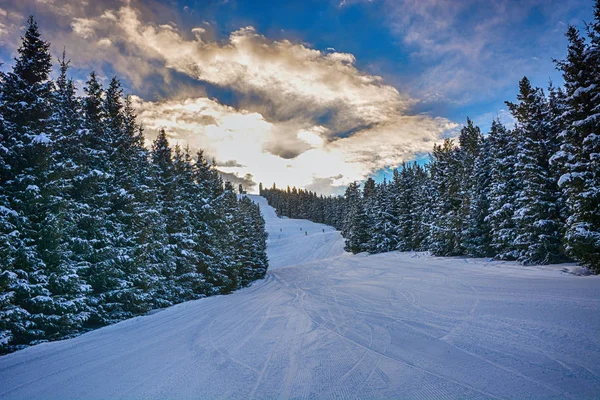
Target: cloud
x,y
311,97
297,115
228,133
247,180
9,25
469,51
326,186
291,80
84,27
229,164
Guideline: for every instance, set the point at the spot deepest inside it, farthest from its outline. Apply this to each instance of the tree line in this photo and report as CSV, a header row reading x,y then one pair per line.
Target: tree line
x,y
531,193
95,227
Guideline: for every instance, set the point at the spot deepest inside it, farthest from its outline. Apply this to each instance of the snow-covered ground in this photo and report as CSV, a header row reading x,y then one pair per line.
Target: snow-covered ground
x,y
329,325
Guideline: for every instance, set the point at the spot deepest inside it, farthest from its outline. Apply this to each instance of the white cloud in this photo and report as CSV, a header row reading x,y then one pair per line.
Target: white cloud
x,y
300,82
84,27
243,138
470,51
302,116
9,25
305,115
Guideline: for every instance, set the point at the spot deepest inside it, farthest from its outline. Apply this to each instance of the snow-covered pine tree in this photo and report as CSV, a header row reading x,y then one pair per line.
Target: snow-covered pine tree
x,y
145,225
502,191
383,235
556,108
369,201
164,182
423,213
183,228
356,227
579,156
404,188
115,279
25,107
469,141
89,194
476,230
207,224
446,179
357,231
227,275
351,198
68,290
537,214
252,251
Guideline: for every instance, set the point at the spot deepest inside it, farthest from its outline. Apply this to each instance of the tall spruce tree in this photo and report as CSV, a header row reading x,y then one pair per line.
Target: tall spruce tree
x,y
25,106
578,157
503,191
446,180
469,141
404,187
383,236
537,214
477,229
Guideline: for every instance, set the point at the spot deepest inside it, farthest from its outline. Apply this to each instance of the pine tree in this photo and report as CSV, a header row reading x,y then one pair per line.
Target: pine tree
x,y
165,186
446,181
470,141
383,236
68,290
423,213
252,254
502,192
537,214
227,276
357,235
477,230
25,107
404,188
578,158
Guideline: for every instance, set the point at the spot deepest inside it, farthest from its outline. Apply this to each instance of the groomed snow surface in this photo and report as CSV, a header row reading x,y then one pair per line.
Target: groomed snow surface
x,y
326,324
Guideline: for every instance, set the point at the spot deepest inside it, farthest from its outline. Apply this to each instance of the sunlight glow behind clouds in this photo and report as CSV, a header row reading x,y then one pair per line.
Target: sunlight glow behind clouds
x,y
230,134
324,118
302,116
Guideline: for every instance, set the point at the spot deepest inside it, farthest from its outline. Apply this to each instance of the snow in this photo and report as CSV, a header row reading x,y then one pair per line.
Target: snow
x,y
326,324
580,90
5,337
8,211
294,241
42,138
568,177
587,120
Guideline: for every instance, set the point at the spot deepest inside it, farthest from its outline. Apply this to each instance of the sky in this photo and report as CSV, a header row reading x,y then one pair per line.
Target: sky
x,y
307,93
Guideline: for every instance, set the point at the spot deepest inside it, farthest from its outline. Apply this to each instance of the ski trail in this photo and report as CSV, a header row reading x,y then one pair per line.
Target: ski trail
x,y
324,324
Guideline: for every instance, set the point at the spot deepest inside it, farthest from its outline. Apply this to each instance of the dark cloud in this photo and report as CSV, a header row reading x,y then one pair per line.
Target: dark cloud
x,y
286,147
247,180
230,164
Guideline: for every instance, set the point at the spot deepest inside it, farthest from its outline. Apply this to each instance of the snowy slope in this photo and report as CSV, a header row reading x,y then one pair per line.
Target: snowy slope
x,y
295,241
394,325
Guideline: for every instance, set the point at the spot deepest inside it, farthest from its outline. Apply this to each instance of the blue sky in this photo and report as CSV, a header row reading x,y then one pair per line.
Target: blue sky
x,y
308,93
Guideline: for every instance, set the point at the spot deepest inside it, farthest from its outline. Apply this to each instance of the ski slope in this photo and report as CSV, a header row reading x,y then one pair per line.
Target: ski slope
x,y
324,324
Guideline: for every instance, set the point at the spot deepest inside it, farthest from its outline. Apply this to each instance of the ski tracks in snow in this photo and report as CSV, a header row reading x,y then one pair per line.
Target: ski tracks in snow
x,y
324,324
